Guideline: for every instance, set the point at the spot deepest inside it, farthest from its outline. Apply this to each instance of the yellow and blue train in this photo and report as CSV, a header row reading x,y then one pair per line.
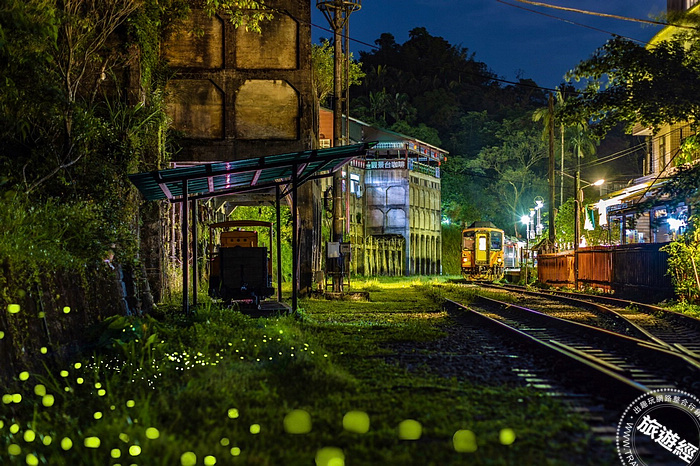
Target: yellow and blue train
x,y
482,252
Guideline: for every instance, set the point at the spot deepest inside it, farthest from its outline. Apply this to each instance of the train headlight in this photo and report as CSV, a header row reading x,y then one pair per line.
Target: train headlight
x,y
500,259
464,259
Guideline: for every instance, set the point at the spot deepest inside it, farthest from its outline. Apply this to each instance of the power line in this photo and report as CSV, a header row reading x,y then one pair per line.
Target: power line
x,y
606,15
558,18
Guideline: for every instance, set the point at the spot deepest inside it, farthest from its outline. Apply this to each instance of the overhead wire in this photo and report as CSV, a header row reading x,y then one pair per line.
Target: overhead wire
x,y
606,15
558,18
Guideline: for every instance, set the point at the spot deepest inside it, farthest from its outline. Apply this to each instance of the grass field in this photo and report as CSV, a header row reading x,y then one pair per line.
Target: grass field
x,y
224,388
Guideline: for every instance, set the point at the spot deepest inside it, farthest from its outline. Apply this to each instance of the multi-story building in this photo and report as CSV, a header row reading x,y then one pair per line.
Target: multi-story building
x,y
392,202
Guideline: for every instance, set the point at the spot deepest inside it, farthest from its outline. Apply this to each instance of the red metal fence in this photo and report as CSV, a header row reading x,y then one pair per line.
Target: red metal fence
x,y
635,270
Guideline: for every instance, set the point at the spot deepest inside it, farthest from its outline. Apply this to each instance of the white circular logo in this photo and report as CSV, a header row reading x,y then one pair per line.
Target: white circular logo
x,y
660,427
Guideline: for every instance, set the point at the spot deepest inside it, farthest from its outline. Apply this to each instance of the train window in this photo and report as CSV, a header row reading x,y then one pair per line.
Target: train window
x,y
468,240
496,240
482,243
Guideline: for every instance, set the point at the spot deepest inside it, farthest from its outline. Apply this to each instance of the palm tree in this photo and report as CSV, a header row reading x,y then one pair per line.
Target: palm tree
x,y
544,115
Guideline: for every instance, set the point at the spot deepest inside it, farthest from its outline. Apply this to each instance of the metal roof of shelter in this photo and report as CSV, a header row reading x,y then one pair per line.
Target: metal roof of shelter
x,y
207,180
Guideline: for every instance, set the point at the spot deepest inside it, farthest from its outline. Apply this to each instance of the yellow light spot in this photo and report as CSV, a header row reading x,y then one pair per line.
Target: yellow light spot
x,y
80,380
124,437
152,433
255,429
41,314
39,390
98,385
410,429
209,460
14,449
47,440
66,309
233,413
356,421
224,442
66,443
14,428
330,456
17,398
235,451
116,453
7,398
31,460
13,308
134,450
2,334
297,421
47,400
97,415
92,442
64,373
24,375
130,404
2,424
101,392
29,436
464,441
77,365
506,436
44,350
188,459
281,332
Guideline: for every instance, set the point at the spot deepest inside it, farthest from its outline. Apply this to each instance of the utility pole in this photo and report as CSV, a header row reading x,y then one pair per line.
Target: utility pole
x,y
337,12
552,233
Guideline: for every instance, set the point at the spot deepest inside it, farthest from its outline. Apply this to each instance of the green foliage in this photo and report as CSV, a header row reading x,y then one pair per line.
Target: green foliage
x,y
322,67
627,82
515,170
684,267
52,235
451,249
247,13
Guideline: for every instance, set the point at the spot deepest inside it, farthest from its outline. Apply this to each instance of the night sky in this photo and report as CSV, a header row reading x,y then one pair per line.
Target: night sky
x,y
511,41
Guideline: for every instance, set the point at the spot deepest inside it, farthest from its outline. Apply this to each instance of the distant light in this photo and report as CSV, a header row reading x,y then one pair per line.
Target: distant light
x,y
598,183
675,224
525,219
539,204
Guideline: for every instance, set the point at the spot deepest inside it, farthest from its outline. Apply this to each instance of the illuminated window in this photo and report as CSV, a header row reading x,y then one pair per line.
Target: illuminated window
x,y
324,143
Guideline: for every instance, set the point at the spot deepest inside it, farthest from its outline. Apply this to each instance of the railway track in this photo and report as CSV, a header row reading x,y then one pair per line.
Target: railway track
x,y
617,366
677,332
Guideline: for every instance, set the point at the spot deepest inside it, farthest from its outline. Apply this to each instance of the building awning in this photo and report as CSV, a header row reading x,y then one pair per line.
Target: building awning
x,y
216,179
623,201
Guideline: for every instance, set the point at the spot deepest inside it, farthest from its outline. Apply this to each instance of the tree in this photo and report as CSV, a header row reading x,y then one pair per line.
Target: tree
x,y
628,83
516,167
322,66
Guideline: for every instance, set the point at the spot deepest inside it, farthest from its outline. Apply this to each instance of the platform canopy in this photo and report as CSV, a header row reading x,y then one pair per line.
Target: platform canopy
x,y
206,180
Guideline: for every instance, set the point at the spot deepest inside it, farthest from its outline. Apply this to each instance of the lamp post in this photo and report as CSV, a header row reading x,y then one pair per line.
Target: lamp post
x,y
539,204
526,220
577,219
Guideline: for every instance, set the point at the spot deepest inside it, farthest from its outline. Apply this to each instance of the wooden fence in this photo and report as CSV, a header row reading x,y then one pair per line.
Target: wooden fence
x,y
638,271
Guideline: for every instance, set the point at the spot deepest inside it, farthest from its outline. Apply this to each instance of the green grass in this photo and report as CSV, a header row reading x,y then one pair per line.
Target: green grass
x,y
220,385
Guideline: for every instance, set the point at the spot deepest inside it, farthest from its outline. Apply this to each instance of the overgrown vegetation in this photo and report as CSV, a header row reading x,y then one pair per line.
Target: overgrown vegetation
x,y
224,388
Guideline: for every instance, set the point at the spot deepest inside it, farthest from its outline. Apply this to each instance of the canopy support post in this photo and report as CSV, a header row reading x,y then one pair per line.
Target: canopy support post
x,y
185,249
295,239
279,242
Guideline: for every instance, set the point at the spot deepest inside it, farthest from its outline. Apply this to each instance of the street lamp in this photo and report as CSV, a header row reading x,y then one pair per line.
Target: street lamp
x,y
577,219
526,220
539,203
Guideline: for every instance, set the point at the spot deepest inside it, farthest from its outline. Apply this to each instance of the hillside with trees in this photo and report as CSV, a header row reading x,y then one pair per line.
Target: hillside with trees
x,y
493,129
